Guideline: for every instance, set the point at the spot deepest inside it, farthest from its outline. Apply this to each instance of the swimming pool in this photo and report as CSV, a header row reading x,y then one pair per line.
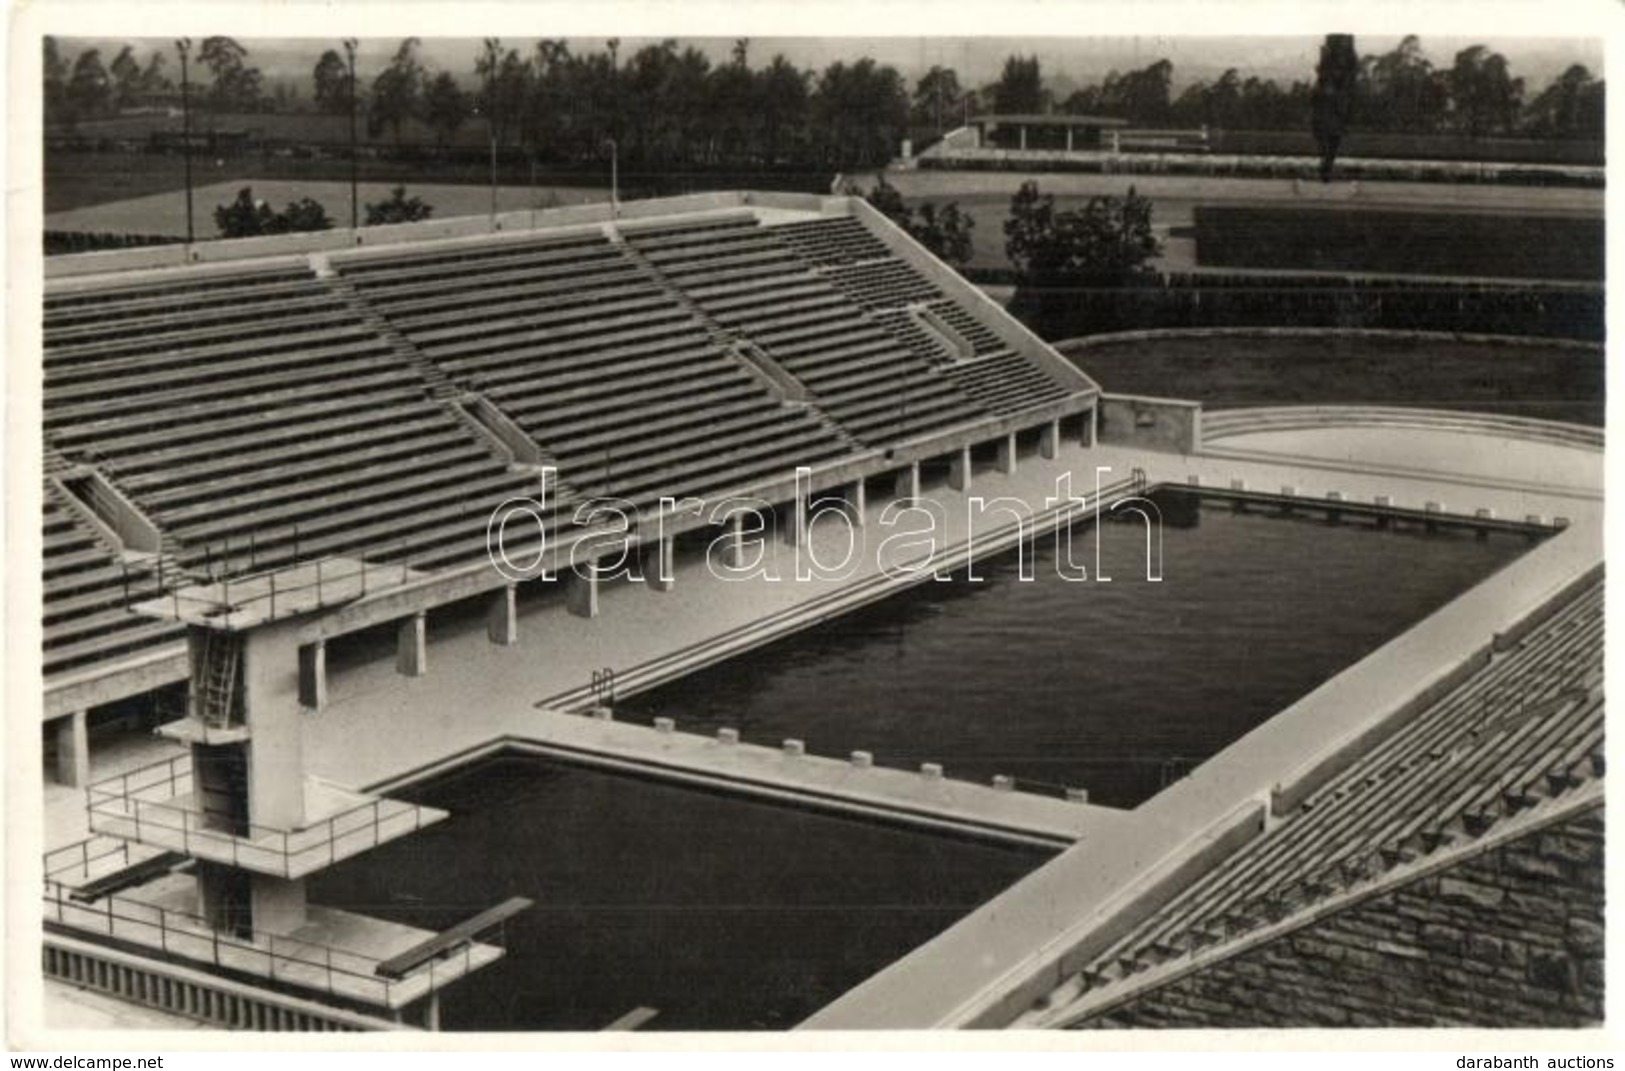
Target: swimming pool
x,y
717,911
1113,687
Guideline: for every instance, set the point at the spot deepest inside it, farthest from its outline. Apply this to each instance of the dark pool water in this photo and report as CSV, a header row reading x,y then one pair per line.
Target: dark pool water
x,y
1112,687
722,912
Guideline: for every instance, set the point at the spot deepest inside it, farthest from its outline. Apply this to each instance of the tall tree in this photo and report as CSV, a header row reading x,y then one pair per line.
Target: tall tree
x,y
89,90
397,92
154,83
445,106
1144,96
1333,100
56,84
1572,106
1402,91
504,90
938,99
783,103
126,78
1020,88
1485,96
331,83
859,113
237,87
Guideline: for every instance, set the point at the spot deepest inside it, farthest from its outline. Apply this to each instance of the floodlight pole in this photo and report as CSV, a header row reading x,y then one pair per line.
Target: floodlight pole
x,y
184,47
355,214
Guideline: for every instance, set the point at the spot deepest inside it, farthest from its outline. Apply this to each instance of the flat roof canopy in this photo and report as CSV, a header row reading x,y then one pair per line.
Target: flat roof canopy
x,y
1018,119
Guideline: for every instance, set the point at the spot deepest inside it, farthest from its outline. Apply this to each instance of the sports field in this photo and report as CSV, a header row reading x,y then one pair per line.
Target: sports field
x,y
165,213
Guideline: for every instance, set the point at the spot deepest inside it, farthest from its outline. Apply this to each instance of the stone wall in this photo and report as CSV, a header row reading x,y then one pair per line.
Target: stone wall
x,y
1512,937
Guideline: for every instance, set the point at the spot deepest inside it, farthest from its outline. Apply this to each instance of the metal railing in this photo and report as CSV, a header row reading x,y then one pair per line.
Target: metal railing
x,y
138,805
263,588
306,964
82,854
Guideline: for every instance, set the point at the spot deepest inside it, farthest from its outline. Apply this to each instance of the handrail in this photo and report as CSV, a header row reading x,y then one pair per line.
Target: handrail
x,y
260,847
303,963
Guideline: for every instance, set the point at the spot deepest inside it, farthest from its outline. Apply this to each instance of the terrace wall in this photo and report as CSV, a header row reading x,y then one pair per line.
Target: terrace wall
x,y
1165,424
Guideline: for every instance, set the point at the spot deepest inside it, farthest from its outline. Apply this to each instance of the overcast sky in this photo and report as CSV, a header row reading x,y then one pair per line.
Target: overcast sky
x,y
1065,61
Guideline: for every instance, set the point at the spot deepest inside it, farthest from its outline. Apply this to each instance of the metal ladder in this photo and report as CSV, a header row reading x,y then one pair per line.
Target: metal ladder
x,y
217,684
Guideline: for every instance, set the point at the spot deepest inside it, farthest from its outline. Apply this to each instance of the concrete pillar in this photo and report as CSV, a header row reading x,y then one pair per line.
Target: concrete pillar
x,y
1068,139
313,675
581,593
72,749
1049,440
1007,454
959,470
1023,131
271,701
412,646
795,524
908,483
733,544
278,904
502,617
658,570
857,499
431,1013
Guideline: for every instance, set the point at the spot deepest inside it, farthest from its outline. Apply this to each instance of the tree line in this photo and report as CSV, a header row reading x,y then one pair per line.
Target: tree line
x,y
668,105
1399,91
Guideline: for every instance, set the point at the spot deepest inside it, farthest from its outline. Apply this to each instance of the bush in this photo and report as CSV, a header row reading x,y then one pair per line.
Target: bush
x,y
398,209
246,217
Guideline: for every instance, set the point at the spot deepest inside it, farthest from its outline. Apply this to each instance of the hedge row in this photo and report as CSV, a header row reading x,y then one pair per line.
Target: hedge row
x,y
1393,242
58,243
1399,146
1281,167
1200,300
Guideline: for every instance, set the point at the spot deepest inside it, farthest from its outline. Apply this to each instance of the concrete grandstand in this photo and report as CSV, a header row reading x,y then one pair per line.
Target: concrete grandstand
x,y
226,418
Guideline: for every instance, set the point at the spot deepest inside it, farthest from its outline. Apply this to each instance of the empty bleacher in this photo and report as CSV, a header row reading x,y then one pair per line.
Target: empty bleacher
x,y
997,377
606,369
1525,729
87,590
253,416
755,287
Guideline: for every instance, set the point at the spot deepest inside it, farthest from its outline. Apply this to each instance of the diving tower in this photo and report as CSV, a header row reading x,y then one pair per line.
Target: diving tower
x,y
206,856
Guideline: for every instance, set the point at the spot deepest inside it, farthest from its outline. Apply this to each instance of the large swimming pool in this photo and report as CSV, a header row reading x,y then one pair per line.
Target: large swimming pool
x,y
1112,687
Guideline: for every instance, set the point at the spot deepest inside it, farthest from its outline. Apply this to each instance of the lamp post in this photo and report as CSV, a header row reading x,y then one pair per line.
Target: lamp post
x,y
355,215
184,47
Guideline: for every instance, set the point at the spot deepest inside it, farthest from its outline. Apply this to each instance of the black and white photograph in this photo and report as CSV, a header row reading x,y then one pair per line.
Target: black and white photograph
x,y
550,521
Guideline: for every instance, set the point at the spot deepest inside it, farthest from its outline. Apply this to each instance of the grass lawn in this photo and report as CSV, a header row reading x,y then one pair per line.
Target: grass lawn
x,y
1531,380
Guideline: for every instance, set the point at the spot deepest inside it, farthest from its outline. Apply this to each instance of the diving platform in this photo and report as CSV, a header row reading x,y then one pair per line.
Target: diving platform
x,y
161,806
445,944
333,953
248,602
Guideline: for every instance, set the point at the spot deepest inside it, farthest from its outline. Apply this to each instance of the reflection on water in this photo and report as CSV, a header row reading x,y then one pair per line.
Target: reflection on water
x,y
1113,687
